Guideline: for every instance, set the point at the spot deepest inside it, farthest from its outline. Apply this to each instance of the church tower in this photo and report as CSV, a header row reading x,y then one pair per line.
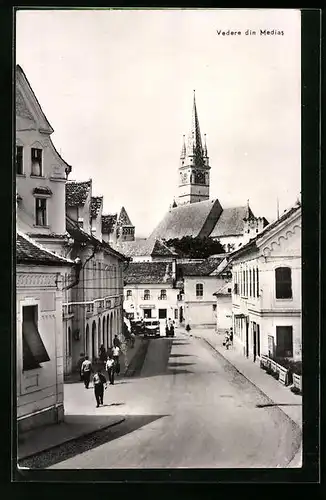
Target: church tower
x,y
194,165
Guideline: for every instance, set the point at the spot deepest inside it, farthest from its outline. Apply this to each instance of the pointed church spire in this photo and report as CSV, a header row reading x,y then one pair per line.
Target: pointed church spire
x,y
195,147
183,150
205,146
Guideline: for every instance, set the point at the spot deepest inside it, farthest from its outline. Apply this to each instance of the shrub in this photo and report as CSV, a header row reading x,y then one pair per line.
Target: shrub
x,y
269,371
276,375
295,390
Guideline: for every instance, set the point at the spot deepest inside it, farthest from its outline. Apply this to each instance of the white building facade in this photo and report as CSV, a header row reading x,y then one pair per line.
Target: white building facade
x,y
266,298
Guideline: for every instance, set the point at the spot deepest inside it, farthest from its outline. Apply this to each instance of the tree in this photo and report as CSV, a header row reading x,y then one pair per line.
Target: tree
x,y
195,248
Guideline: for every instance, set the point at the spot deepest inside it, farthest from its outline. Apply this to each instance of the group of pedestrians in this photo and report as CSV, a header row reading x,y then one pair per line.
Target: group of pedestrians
x,y
228,339
110,362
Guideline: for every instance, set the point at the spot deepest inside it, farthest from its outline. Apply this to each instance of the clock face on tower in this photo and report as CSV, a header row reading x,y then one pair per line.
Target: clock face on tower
x,y
199,177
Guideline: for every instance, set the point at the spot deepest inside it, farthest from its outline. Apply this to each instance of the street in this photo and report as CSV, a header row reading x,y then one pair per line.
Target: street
x,y
186,407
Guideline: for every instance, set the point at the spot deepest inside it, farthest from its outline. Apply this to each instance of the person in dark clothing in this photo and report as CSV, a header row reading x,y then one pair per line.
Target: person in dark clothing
x,y
99,381
102,354
116,341
231,335
110,365
86,370
79,364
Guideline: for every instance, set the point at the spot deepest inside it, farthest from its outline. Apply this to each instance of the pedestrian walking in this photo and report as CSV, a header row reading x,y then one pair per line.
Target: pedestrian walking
x,y
110,369
226,342
116,354
102,354
231,336
79,364
86,370
132,339
116,341
99,381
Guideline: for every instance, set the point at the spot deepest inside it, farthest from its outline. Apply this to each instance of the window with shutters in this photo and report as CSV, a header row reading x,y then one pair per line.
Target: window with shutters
x,y
283,283
40,211
36,157
34,351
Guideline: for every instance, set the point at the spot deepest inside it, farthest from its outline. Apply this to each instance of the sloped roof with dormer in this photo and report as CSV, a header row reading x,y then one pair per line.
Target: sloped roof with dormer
x,y
108,221
29,252
77,192
194,219
96,203
148,273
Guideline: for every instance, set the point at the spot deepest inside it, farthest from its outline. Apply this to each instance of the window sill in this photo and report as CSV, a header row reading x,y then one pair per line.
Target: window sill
x,y
38,225
284,300
37,176
20,175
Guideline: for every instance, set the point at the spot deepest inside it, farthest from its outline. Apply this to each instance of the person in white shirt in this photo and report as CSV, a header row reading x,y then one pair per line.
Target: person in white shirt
x,y
86,370
116,354
110,369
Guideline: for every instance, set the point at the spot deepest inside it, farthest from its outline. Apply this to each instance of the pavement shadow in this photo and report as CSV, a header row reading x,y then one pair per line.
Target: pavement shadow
x,y
182,355
176,364
82,444
177,372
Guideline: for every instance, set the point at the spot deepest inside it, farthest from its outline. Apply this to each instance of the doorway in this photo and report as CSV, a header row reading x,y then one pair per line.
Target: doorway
x,y
147,313
247,336
254,340
181,314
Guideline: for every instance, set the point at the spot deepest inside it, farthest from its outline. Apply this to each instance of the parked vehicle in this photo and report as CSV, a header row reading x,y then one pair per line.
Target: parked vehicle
x,y
152,328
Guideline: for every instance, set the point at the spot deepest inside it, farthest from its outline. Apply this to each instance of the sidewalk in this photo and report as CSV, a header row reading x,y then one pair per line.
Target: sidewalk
x,y
289,403
76,423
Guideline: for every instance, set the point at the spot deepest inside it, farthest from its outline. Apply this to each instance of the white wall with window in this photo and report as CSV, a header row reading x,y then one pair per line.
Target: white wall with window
x,y
39,344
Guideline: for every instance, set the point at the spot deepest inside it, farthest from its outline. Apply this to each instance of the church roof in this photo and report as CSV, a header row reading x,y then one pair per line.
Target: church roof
x,y
108,222
231,222
148,272
96,202
194,219
145,247
204,268
76,192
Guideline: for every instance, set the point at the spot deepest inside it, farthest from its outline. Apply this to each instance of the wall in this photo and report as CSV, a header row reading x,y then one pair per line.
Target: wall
x,y
40,391
223,312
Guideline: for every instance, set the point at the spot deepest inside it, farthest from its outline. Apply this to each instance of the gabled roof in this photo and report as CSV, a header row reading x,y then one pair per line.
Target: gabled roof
x,y
76,192
204,268
231,222
96,203
252,243
21,107
29,252
145,248
108,222
81,236
148,273
194,219
123,218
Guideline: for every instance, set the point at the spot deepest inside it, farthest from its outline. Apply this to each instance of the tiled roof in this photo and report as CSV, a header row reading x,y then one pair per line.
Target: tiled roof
x,y
124,219
148,272
81,236
230,222
42,190
204,268
28,252
194,219
96,203
47,235
145,247
252,242
108,222
76,192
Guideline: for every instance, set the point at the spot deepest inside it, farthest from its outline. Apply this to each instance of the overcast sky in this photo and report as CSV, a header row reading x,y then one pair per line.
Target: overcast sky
x,y
117,87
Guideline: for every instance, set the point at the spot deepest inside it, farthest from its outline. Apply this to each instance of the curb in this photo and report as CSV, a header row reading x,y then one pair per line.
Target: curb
x,y
71,439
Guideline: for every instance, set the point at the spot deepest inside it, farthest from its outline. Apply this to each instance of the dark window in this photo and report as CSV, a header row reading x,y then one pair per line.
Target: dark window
x,y
163,295
147,295
250,283
19,160
147,313
283,283
40,209
257,276
235,289
176,315
34,351
254,282
69,342
284,341
129,294
37,161
162,313
199,290
214,307
229,290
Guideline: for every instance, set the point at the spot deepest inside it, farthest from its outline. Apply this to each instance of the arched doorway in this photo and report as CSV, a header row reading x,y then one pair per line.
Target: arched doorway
x,y
93,346
86,346
104,342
